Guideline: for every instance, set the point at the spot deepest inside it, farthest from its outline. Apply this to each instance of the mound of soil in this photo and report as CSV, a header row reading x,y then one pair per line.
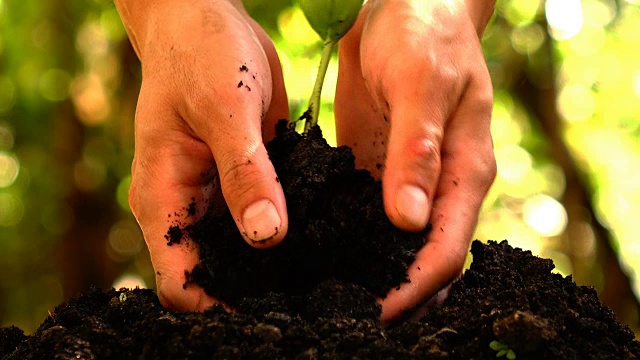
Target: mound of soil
x,y
314,296
507,295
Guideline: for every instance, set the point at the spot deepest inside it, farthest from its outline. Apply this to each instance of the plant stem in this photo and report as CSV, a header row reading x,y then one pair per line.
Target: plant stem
x,y
314,102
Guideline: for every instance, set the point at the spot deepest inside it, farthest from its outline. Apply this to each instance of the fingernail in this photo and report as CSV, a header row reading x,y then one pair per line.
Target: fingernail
x,y
261,220
412,205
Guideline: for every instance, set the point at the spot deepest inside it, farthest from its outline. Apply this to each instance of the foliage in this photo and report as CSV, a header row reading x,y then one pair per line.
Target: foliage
x,y
502,350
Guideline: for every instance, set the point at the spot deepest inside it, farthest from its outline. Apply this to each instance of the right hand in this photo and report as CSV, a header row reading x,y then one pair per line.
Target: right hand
x,y
414,101
210,76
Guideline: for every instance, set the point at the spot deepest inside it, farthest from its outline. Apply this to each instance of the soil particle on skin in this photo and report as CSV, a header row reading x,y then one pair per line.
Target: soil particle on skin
x,y
191,208
174,235
507,295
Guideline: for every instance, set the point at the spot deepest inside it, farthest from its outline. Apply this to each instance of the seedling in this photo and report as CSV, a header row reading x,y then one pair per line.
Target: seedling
x,y
331,19
123,297
502,350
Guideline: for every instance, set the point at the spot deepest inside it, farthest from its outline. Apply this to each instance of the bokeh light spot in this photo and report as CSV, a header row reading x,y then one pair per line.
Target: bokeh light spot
x,y
125,240
576,103
91,40
9,169
527,39
589,41
564,18
545,215
112,25
513,161
11,209
90,100
554,180
122,193
636,85
520,12
7,94
54,84
504,129
294,27
129,281
599,12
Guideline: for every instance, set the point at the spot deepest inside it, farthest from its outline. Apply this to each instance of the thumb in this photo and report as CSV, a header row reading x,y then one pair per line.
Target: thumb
x,y
252,189
248,180
418,119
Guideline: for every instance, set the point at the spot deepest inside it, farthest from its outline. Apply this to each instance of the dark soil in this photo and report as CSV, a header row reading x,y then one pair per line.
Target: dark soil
x,y
508,295
338,229
314,296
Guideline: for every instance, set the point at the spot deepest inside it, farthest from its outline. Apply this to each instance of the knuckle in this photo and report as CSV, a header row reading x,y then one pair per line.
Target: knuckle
x,y
484,169
492,170
446,74
133,197
426,149
482,100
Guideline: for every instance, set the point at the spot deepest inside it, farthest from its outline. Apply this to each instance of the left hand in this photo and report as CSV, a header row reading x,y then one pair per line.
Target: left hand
x,y
414,102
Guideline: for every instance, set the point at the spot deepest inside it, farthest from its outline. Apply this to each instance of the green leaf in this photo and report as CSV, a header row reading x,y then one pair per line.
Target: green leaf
x,y
331,19
511,355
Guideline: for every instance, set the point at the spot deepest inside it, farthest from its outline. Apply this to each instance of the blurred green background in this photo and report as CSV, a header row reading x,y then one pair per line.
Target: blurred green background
x,y
566,126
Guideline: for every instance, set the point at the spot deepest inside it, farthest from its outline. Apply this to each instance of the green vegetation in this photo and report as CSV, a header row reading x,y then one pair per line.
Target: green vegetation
x,y
331,19
502,350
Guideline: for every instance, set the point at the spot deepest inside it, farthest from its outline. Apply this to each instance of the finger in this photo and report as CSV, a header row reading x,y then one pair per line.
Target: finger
x,y
230,123
279,106
418,117
167,177
468,169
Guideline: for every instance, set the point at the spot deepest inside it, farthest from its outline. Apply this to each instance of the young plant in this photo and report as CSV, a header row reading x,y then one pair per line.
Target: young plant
x,y
502,350
331,19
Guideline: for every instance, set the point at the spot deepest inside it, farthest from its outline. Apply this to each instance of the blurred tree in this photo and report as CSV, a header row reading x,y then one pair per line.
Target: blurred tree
x,y
69,82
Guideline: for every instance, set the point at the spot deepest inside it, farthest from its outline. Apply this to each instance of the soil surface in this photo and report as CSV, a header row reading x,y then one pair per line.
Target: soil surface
x,y
314,296
507,295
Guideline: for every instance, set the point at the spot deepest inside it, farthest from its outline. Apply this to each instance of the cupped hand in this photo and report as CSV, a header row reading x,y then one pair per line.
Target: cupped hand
x,y
414,101
210,77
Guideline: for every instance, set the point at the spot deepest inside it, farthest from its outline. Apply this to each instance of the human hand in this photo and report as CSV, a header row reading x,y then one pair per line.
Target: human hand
x,y
415,96
210,75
